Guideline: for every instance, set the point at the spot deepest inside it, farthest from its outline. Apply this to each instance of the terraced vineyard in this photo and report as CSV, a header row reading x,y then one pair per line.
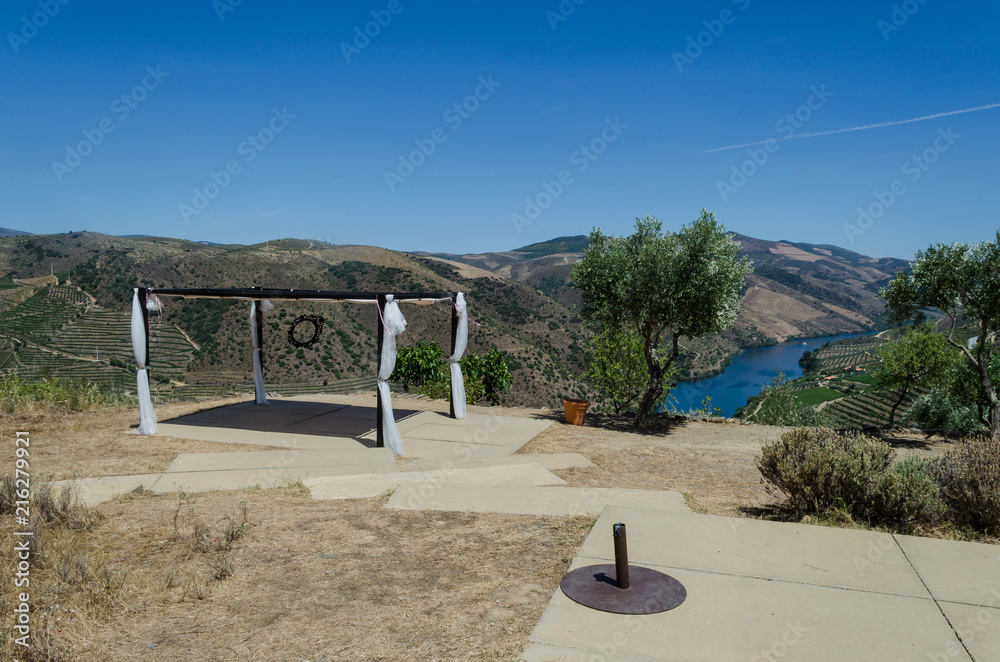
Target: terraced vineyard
x,y
52,333
869,408
850,353
40,316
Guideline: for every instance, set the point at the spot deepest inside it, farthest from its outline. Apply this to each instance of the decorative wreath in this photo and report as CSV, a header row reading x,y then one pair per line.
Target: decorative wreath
x,y
317,323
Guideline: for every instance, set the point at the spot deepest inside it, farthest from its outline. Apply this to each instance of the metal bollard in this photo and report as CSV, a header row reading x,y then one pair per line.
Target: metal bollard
x,y
621,556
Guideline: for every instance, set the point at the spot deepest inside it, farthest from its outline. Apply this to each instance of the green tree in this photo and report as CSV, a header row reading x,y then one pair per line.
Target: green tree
x,y
419,364
487,376
920,356
777,405
963,282
617,368
663,285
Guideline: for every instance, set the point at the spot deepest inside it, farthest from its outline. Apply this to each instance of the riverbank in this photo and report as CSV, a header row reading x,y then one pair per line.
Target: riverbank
x,y
746,374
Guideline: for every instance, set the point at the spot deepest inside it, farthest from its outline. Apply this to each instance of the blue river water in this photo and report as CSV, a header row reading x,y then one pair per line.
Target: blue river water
x,y
746,375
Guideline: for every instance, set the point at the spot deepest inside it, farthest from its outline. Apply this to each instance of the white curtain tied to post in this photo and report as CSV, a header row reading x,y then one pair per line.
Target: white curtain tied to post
x,y
461,340
258,369
395,324
147,417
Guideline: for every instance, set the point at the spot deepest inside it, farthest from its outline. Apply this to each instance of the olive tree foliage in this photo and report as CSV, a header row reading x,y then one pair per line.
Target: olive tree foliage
x,y
963,282
617,369
662,285
921,356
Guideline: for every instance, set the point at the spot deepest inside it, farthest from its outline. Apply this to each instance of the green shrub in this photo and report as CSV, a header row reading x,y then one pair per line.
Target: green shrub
x,y
19,397
969,477
419,364
940,409
819,471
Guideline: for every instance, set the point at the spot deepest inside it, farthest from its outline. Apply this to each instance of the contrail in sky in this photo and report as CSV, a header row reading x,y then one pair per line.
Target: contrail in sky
x,y
858,128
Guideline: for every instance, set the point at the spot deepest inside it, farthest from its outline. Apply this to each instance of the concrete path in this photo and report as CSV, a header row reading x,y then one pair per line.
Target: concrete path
x,y
528,500
775,591
331,447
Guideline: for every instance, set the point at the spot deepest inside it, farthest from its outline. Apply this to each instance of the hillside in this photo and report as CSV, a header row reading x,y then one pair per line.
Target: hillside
x,y
203,345
797,290
522,299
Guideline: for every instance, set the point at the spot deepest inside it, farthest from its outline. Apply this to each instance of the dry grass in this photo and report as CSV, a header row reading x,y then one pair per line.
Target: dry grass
x,y
80,445
712,464
306,579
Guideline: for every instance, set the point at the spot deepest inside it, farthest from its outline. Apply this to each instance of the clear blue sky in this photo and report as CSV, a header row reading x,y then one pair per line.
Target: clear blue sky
x,y
330,121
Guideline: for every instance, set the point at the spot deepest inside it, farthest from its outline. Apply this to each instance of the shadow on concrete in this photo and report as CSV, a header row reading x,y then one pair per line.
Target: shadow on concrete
x,y
320,419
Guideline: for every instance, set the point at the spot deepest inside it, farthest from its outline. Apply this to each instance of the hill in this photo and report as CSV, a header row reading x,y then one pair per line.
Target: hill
x,y
76,322
797,290
204,344
7,232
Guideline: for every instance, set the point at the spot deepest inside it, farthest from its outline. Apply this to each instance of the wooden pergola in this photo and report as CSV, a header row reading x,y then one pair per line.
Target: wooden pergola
x,y
260,294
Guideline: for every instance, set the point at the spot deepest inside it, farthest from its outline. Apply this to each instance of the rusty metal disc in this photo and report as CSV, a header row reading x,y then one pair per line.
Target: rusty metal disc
x,y
596,586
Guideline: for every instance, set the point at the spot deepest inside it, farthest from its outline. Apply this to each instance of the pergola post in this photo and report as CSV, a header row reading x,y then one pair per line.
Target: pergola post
x,y
258,321
143,298
379,439
454,337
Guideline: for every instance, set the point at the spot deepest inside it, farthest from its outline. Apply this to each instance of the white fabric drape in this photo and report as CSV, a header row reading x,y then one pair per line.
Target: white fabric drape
x,y
258,369
395,324
461,341
147,417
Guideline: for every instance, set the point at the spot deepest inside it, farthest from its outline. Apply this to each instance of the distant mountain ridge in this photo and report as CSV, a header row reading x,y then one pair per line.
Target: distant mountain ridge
x,y
522,298
7,232
797,290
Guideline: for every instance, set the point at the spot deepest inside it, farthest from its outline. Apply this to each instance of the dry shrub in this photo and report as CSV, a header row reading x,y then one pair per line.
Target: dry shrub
x,y
970,484
217,540
60,510
819,471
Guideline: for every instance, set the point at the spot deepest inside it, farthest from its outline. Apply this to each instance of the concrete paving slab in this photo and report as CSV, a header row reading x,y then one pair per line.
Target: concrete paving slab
x,y
845,558
558,501
979,628
353,454
93,491
365,486
728,617
430,448
237,479
548,460
252,437
955,571
548,653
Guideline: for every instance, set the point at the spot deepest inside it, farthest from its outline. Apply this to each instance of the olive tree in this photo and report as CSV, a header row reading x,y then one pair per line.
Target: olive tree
x,y
617,369
920,356
664,286
963,282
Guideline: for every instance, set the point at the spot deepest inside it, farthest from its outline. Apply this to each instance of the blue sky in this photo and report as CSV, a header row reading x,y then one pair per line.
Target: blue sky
x,y
245,121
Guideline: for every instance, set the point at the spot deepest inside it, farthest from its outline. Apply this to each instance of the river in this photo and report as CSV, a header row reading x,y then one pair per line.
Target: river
x,y
746,375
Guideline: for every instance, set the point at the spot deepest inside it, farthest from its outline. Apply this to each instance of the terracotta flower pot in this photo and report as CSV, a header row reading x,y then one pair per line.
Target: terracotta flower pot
x,y
575,409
